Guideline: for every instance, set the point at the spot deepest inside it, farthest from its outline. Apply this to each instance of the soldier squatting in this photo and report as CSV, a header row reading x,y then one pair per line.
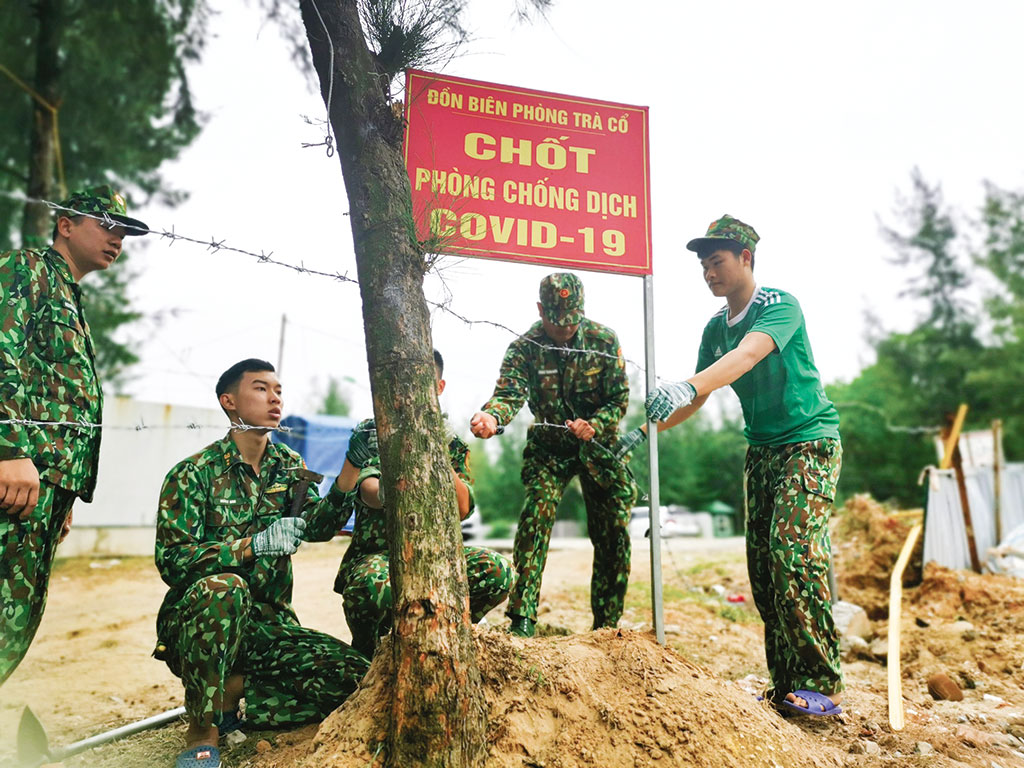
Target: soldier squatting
x,y
231,515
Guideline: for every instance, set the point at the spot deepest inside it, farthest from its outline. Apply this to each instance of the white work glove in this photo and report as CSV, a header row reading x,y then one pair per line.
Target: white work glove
x,y
628,442
667,399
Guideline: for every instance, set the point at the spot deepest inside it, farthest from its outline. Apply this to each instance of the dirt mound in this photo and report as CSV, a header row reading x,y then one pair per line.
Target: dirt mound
x,y
612,698
968,595
866,542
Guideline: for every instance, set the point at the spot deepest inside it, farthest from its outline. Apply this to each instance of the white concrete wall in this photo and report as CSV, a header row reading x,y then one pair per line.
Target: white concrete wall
x,y
133,462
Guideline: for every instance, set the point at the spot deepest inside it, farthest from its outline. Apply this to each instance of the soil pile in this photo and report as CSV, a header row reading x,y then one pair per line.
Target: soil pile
x,y
866,542
968,595
612,698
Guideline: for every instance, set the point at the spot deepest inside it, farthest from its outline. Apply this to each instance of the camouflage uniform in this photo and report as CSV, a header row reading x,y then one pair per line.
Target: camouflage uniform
x,y
586,379
363,580
226,615
47,373
789,492
791,471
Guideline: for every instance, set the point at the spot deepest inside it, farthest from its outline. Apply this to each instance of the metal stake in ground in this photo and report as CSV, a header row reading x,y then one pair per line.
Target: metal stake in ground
x,y
34,746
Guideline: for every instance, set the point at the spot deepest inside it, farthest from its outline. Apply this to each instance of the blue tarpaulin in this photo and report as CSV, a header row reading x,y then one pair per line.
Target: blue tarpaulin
x,y
321,441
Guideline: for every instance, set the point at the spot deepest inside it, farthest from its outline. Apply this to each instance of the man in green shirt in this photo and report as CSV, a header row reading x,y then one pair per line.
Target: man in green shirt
x,y
758,344
224,534
51,403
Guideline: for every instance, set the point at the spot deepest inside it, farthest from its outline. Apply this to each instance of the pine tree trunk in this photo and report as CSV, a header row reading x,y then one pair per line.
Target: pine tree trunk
x,y
36,222
437,711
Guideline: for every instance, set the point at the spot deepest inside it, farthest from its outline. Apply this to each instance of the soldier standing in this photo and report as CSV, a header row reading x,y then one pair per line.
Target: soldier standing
x,y
571,372
758,344
363,580
48,374
223,539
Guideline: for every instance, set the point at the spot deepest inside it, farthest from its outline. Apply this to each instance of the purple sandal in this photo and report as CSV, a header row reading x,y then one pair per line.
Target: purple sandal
x,y
818,704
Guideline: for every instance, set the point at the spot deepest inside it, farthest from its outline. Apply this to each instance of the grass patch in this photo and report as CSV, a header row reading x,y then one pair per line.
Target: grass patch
x,y
639,599
739,613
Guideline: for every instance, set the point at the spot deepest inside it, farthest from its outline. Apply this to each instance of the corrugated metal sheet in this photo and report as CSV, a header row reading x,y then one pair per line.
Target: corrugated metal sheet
x,y
945,539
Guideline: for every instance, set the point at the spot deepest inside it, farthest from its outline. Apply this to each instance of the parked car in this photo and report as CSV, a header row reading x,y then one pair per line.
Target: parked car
x,y
675,521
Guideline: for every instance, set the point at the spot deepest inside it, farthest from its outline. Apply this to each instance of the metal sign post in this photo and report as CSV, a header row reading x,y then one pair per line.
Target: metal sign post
x,y
657,607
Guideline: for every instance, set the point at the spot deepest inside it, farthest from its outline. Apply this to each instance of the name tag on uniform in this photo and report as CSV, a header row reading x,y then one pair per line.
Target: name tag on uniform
x,y
229,501
278,488
552,370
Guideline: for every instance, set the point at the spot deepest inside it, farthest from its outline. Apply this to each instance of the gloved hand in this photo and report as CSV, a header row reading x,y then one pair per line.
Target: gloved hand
x,y
362,447
629,441
281,537
669,398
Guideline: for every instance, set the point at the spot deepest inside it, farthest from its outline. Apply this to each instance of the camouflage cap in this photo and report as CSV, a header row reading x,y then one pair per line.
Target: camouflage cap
x,y
725,228
561,296
100,200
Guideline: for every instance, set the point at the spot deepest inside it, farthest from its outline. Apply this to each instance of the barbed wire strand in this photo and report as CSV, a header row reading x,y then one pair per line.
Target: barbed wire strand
x,y
215,245
142,426
912,430
263,257
211,244
329,137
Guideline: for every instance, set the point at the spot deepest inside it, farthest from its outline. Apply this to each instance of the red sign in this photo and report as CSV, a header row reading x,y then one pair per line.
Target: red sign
x,y
520,175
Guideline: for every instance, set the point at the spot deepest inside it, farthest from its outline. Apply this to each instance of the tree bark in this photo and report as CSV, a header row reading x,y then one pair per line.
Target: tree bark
x,y
36,223
437,711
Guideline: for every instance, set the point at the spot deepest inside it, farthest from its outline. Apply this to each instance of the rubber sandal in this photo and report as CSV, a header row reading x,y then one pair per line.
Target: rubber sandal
x,y
818,704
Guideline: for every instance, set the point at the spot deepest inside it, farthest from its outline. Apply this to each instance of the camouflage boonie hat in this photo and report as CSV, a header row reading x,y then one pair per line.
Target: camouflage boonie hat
x,y
561,296
725,228
100,200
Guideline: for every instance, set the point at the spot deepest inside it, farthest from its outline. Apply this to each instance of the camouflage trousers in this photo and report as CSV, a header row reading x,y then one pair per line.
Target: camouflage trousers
x,y
27,549
292,675
608,493
789,491
367,592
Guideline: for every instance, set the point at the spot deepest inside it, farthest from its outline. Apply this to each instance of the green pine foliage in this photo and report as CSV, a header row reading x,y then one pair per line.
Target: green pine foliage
x,y
124,108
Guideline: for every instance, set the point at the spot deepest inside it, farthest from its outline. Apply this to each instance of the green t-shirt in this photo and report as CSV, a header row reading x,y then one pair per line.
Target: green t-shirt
x,y
782,397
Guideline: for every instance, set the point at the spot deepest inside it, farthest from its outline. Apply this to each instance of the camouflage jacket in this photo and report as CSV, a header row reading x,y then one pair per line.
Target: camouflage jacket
x,y
369,535
212,502
560,385
47,370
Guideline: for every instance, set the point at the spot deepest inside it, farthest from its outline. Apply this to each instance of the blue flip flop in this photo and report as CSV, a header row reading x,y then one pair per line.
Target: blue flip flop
x,y
818,704
198,757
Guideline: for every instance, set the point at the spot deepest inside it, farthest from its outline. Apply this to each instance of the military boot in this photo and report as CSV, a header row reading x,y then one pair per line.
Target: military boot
x,y
522,626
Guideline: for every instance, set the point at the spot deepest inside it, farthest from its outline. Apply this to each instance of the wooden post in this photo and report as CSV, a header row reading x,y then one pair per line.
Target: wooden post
x,y
895,674
951,458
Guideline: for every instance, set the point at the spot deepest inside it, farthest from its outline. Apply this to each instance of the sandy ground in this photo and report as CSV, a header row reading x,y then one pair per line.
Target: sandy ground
x,y
572,698
90,667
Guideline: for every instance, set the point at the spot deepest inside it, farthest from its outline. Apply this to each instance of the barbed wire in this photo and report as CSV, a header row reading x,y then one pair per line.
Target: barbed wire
x,y
912,430
142,426
211,244
328,141
214,244
524,337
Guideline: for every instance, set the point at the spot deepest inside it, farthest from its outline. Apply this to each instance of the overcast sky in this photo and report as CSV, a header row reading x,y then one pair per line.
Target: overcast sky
x,y
802,119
